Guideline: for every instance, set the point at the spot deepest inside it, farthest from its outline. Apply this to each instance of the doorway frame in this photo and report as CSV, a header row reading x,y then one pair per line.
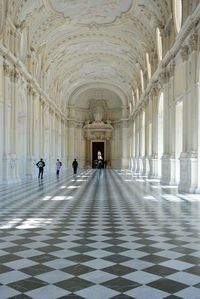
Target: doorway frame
x,y
91,146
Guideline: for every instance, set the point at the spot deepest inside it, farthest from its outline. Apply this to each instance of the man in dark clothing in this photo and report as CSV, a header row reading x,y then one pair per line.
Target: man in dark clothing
x,y
75,166
41,166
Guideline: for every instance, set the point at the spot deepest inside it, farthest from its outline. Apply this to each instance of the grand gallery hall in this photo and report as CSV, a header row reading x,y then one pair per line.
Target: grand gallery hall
x,y
114,84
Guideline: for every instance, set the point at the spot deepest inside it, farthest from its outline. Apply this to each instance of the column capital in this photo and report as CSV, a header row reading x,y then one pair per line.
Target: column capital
x,y
172,68
155,89
185,53
164,77
193,41
6,68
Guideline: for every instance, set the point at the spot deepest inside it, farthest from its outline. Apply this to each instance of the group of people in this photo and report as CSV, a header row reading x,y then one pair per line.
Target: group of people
x,y
99,163
41,164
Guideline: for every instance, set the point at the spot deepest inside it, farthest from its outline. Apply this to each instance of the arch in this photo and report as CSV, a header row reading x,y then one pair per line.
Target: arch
x,y
76,92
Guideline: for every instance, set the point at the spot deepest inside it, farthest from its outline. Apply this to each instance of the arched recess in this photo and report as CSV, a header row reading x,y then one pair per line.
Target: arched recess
x,y
21,135
160,132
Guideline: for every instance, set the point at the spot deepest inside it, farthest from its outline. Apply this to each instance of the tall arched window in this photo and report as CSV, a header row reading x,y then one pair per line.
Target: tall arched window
x,y
177,14
142,80
159,43
148,66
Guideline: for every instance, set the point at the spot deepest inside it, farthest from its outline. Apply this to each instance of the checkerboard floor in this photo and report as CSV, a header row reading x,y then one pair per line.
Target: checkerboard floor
x,y
98,235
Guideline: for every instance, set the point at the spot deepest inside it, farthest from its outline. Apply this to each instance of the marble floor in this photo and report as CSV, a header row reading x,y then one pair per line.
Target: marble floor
x,y
98,235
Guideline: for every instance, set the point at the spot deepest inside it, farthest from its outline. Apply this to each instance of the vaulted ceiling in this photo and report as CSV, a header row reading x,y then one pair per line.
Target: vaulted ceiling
x,y
94,48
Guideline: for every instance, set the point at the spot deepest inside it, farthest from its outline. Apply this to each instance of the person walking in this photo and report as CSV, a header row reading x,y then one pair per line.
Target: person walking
x,y
58,166
40,164
75,166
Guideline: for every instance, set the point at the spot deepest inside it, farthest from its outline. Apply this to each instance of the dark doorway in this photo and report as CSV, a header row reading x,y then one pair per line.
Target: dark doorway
x,y
97,146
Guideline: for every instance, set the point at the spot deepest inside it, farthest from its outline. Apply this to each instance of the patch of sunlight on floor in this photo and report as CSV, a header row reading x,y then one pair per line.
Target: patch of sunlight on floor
x,y
191,197
150,197
47,197
27,223
81,180
63,187
169,187
170,197
59,198
152,180
73,187
140,180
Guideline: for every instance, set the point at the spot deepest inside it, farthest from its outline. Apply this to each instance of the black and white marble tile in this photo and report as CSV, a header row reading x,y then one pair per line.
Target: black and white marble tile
x,y
98,235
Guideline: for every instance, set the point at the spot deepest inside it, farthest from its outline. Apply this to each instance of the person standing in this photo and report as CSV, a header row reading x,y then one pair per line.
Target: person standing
x,y
40,164
58,166
75,166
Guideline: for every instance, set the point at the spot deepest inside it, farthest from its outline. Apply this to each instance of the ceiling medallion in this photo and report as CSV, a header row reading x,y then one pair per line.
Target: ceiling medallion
x,y
92,11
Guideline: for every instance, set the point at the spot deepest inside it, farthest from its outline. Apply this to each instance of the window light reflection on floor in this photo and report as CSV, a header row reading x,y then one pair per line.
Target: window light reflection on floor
x,y
140,180
47,197
150,197
73,187
57,197
27,223
169,187
171,197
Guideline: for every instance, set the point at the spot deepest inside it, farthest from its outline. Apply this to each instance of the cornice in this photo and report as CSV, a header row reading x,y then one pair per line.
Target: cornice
x,y
20,67
170,56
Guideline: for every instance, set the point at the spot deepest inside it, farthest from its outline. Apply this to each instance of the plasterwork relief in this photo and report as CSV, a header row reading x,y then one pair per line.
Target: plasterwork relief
x,y
96,11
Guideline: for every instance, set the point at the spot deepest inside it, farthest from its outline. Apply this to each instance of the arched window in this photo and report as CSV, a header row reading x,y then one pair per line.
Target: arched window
x,y
133,98
148,66
159,43
177,14
142,80
130,107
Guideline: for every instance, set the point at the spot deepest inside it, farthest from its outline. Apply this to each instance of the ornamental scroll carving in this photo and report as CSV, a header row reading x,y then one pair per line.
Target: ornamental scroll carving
x,y
95,11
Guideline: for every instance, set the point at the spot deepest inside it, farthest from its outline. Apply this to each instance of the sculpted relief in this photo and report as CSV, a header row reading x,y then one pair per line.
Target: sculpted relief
x,y
95,11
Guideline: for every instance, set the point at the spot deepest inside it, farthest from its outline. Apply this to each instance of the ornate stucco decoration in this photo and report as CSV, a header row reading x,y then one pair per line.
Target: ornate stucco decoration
x,y
92,12
98,129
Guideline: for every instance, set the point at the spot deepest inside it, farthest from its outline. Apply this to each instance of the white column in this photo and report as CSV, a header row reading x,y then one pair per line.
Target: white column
x,y
146,144
71,139
124,144
5,164
189,161
168,163
13,175
150,174
154,158
29,132
1,117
